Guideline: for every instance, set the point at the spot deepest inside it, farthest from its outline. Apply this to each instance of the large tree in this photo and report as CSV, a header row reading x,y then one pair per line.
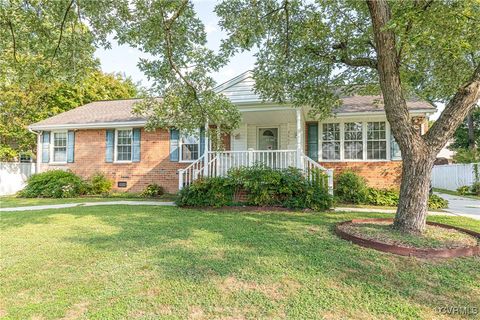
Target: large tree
x,y
305,51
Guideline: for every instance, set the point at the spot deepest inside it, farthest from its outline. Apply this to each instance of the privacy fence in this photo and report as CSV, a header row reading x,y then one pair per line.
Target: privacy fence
x,y
13,176
453,176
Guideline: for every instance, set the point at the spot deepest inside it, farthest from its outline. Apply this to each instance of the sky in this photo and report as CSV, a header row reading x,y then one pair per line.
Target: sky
x,y
124,59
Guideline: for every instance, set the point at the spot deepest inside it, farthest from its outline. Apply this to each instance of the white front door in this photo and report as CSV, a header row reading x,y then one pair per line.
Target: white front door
x,y
268,139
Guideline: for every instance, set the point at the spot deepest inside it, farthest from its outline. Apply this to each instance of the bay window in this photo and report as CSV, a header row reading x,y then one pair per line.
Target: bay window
x,y
376,140
331,141
353,141
123,145
59,149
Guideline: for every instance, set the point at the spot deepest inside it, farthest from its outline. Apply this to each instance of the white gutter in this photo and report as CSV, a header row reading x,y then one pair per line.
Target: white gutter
x,y
95,125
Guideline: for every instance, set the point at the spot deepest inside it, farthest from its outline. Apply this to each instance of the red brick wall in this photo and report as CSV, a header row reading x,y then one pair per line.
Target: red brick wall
x,y
379,174
154,166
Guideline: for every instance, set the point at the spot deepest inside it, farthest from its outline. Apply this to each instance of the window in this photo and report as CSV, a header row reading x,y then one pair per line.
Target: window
x,y
59,147
353,143
123,145
189,147
376,140
331,141
25,158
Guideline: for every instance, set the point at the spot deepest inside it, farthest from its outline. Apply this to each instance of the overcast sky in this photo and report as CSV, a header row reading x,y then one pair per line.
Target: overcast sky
x,y
124,59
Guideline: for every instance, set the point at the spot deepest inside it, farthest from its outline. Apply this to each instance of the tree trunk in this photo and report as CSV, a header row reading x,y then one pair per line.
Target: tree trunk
x,y
414,191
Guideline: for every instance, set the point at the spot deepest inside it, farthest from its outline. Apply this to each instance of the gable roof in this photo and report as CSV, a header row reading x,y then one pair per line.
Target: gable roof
x,y
240,90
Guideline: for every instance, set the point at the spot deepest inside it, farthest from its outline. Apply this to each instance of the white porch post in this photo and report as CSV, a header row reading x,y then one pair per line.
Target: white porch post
x,y
205,152
299,137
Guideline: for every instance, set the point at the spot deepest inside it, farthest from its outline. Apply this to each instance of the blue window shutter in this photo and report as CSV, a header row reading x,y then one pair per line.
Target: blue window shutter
x,y
70,146
202,142
136,145
174,152
45,146
109,138
312,140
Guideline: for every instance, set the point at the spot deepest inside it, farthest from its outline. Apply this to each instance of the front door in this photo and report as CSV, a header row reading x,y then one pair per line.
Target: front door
x,y
268,139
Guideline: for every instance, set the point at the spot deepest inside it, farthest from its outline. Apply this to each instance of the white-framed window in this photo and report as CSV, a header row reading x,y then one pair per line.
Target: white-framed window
x,y
58,147
376,140
331,141
353,141
189,147
123,145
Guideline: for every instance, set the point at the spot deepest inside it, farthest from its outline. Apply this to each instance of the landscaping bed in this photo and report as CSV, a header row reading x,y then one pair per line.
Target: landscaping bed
x,y
438,240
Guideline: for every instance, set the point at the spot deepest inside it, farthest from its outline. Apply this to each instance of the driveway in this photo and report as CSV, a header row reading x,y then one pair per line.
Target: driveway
x,y
462,206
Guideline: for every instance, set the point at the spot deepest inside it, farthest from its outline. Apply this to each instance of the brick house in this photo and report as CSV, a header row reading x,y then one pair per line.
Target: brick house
x,y
105,136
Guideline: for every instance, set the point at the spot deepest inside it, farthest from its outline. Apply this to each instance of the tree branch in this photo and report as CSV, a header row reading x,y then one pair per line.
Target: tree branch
x,y
62,26
455,112
353,62
10,25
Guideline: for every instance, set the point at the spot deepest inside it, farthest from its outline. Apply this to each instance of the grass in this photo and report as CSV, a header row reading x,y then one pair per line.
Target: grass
x,y
144,262
433,238
455,193
12,201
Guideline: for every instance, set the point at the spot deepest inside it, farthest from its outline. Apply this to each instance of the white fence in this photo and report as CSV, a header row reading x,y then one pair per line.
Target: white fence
x,y
13,176
453,176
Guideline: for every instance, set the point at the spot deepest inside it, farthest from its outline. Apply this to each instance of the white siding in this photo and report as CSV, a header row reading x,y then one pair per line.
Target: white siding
x,y
240,89
239,144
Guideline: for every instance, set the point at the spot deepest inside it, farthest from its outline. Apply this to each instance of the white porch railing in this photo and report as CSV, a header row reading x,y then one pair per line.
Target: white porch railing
x,y
217,164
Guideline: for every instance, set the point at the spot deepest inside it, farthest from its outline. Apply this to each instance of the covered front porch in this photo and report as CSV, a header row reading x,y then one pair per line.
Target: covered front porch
x,y
272,136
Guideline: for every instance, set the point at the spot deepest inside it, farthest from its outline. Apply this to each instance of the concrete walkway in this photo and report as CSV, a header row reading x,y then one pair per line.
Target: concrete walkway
x,y
462,206
89,204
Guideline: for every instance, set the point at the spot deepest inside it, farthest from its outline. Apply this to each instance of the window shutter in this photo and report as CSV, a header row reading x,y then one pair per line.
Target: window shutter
x,y
202,142
174,152
46,146
312,140
70,146
395,153
109,139
136,145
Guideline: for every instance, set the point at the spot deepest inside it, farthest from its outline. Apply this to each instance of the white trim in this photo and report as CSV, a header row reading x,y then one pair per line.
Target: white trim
x,y
115,142
180,155
52,147
96,125
364,122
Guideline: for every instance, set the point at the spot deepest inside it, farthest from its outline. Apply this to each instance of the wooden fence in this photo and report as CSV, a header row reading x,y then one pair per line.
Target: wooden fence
x,y
453,176
13,176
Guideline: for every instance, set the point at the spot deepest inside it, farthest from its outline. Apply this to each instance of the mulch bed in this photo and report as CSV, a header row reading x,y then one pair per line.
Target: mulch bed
x,y
342,231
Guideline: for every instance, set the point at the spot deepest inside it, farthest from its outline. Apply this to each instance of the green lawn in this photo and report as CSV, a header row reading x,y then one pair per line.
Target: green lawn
x,y
455,193
142,262
12,201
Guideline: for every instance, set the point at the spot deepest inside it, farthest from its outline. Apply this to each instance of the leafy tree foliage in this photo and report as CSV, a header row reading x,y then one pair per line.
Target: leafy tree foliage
x,y
461,137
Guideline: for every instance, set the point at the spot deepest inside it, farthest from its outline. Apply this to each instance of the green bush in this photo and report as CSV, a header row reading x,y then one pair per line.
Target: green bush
x,y
437,202
350,188
463,190
382,197
99,184
211,192
152,190
54,184
475,188
264,186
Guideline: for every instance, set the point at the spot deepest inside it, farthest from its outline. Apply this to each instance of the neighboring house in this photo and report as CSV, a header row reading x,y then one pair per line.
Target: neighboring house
x,y
105,136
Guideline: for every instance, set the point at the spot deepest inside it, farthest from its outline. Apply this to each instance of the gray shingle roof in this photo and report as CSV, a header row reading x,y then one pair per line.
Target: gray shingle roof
x,y
114,111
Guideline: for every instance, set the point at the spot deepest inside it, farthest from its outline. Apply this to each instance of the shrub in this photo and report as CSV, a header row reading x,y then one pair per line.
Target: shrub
x,y
54,184
350,188
211,192
99,184
382,197
152,190
463,190
264,186
437,202
475,188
